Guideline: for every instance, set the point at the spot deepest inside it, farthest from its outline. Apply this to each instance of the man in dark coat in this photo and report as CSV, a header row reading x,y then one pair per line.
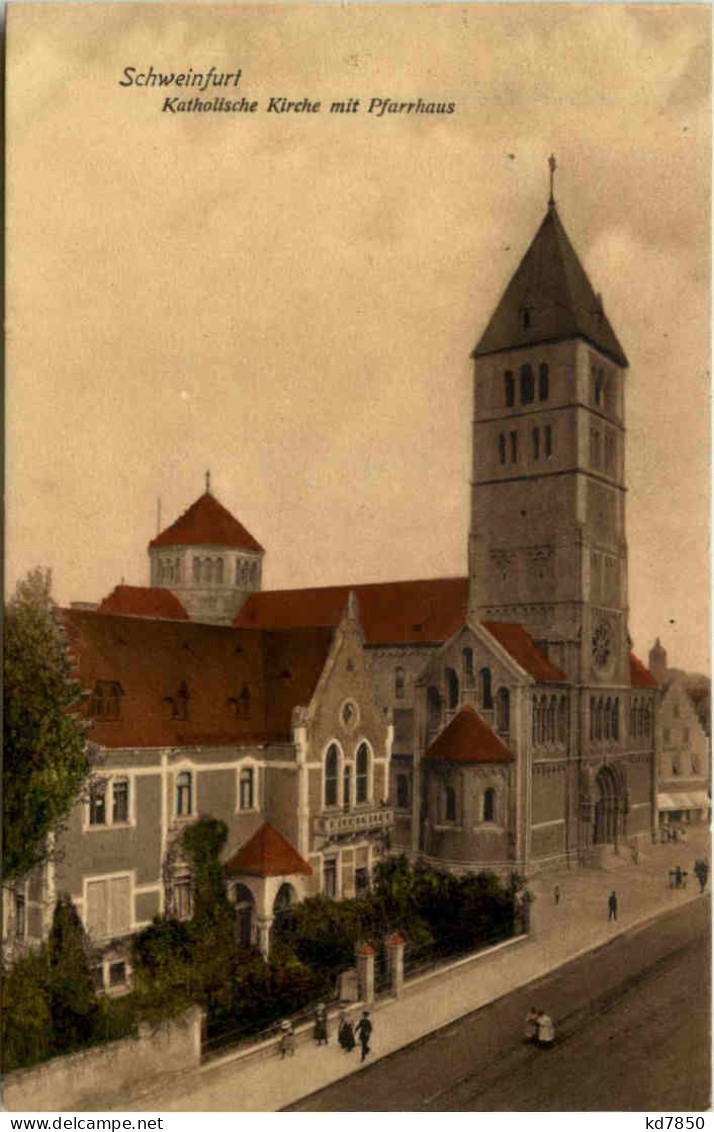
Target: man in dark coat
x,y
364,1032
612,906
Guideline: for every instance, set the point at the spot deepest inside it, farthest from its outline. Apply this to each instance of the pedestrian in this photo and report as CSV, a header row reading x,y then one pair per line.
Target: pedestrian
x,y
701,872
612,906
287,1039
678,877
546,1030
556,894
364,1032
345,1033
321,1024
530,1028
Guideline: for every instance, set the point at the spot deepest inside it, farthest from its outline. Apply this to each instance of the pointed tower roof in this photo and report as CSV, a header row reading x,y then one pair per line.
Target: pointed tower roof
x,y
267,854
207,522
550,283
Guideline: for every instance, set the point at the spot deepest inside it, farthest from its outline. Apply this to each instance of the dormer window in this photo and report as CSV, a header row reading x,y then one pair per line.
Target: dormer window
x,y
106,700
241,703
179,702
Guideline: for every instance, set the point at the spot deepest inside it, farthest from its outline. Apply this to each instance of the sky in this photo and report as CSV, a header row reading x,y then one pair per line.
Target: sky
x,y
291,299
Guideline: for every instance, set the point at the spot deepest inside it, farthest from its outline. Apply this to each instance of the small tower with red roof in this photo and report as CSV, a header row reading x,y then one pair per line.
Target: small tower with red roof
x,y
208,560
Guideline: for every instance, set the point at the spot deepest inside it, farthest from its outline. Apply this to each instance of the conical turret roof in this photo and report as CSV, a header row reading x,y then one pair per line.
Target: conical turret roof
x,y
207,522
548,299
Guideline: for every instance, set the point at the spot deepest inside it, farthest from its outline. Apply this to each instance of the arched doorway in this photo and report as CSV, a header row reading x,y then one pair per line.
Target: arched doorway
x,y
608,807
284,900
243,899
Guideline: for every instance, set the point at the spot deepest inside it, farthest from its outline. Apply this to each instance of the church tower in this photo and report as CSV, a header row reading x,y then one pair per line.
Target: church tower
x,y
547,545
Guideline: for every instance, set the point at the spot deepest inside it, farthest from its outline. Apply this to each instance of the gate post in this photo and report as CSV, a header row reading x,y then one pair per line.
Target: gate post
x,y
365,972
395,959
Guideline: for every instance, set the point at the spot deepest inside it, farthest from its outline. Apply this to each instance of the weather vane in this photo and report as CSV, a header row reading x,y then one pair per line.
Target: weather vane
x,y
552,166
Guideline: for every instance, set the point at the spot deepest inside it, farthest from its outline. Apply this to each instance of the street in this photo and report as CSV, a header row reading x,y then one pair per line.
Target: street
x,y
632,1034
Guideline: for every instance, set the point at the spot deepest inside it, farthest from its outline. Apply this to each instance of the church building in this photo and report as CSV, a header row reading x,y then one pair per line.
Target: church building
x,y
494,720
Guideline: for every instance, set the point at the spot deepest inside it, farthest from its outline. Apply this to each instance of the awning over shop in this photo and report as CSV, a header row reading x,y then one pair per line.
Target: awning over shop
x,y
696,801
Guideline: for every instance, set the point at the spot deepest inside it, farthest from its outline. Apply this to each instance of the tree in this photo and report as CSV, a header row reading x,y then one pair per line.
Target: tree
x,y
46,753
74,1003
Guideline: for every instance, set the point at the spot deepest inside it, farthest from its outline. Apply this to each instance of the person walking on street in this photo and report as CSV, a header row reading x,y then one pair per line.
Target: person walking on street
x,y
530,1028
701,872
556,894
364,1033
345,1033
321,1024
287,1040
678,877
546,1030
612,906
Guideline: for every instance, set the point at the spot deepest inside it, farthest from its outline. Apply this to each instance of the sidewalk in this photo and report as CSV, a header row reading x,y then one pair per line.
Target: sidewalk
x,y
577,924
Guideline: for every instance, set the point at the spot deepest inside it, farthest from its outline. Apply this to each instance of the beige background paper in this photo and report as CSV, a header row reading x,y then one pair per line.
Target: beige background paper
x,y
291,300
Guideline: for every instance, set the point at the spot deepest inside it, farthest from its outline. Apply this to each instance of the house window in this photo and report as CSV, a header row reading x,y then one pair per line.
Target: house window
x,y
486,694
183,895
331,775
246,788
117,974
20,916
329,877
509,389
452,689
362,781
361,881
98,803
502,448
399,683
105,702
449,804
536,443
503,711
543,382
489,804
108,906
120,801
514,447
527,385
184,793
402,792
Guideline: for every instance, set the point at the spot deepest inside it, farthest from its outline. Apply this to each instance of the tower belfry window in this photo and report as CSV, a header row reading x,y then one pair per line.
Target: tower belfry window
x,y
527,385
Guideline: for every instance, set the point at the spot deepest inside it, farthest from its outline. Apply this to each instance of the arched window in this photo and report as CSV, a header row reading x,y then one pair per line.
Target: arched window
x,y
208,570
536,443
247,788
433,708
543,382
468,667
527,385
184,793
450,803
536,721
502,448
399,683
346,786
362,783
562,720
452,689
486,694
332,760
489,804
503,711
197,569
219,570
543,737
509,389
402,791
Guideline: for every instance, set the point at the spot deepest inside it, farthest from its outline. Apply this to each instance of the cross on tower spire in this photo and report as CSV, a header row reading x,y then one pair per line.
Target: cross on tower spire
x,y
552,166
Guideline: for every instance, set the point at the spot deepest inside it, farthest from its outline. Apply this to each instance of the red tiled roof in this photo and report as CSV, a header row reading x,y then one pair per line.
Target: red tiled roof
x,y
640,675
468,739
267,854
144,601
552,284
208,523
151,659
521,646
417,612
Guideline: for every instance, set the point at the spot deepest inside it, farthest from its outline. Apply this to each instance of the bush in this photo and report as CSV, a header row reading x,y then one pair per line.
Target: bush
x,y
26,1035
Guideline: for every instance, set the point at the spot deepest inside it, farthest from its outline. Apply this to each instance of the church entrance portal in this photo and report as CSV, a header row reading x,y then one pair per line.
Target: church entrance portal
x,y
608,808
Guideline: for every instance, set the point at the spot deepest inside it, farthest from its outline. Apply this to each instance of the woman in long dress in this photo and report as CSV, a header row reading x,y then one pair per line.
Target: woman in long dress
x,y
346,1033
